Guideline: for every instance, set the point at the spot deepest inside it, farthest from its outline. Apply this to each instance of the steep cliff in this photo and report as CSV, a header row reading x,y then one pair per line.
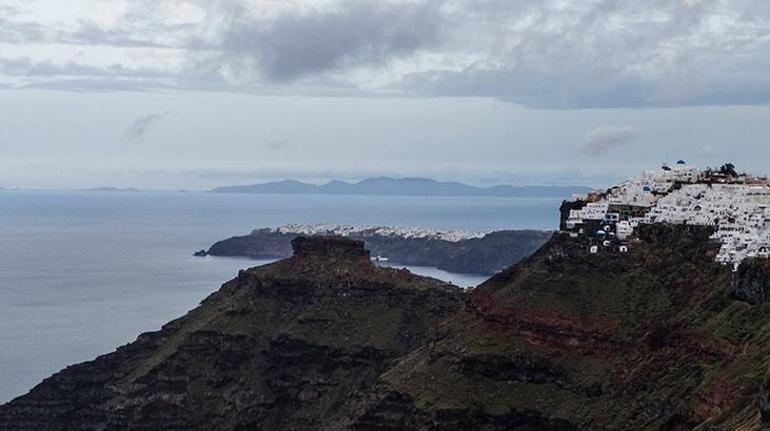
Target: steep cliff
x,y
648,339
284,346
751,282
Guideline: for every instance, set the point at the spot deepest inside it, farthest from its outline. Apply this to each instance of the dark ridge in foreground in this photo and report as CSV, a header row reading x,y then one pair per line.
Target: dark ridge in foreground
x,y
492,253
656,338
283,346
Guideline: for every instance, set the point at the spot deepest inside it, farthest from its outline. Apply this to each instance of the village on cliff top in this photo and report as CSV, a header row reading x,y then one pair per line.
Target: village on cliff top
x,y
736,205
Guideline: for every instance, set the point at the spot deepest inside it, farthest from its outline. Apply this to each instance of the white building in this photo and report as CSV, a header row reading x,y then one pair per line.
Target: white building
x,y
739,208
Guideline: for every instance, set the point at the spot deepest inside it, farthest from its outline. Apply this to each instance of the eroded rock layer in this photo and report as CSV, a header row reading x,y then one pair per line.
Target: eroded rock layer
x,y
648,339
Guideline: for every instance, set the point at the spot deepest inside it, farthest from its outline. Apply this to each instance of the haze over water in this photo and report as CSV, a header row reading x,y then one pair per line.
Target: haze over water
x,y
84,272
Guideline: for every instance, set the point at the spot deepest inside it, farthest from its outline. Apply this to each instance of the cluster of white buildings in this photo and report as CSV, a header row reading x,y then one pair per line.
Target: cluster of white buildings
x,y
363,231
738,206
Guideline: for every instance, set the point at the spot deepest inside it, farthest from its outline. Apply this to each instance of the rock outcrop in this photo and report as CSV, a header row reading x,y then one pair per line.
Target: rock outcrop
x,y
751,282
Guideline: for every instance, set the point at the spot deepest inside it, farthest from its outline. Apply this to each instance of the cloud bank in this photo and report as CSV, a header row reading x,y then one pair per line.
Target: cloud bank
x,y
547,54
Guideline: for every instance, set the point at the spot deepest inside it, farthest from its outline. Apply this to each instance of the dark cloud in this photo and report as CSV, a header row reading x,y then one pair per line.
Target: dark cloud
x,y
139,128
355,33
604,139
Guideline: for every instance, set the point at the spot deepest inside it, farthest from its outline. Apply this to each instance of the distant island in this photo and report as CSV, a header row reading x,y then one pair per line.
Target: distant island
x,y
450,250
385,186
111,189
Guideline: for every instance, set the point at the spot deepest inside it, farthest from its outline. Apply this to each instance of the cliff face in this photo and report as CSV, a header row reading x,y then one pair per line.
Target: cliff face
x,y
486,255
571,340
564,340
284,346
751,283
764,399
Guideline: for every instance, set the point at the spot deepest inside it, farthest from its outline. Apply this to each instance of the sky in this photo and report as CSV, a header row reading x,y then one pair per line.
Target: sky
x,y
194,94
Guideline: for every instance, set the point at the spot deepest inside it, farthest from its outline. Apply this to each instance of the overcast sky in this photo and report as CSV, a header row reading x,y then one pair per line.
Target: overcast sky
x,y
201,93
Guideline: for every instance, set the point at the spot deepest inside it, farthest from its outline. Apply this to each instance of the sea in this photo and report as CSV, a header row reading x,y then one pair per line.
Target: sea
x,y
82,273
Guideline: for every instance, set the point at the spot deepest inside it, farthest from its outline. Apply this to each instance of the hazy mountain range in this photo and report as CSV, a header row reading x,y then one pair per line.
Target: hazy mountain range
x,y
112,189
403,187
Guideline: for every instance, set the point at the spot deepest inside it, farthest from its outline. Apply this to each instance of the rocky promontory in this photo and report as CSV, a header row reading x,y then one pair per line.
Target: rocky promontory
x,y
453,251
289,345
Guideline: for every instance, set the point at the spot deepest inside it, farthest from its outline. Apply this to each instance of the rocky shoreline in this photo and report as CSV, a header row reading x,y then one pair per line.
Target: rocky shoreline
x,y
452,251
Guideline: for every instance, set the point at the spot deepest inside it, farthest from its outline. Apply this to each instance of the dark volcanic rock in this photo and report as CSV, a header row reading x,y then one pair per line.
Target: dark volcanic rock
x,y
260,244
751,283
564,340
523,368
308,248
397,412
284,346
764,399
571,340
565,208
486,255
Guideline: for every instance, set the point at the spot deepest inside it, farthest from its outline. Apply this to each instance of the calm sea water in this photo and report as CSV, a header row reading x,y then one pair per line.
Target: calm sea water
x,y
84,272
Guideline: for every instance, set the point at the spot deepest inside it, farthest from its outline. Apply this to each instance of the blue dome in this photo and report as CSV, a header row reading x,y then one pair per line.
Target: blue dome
x,y
681,162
